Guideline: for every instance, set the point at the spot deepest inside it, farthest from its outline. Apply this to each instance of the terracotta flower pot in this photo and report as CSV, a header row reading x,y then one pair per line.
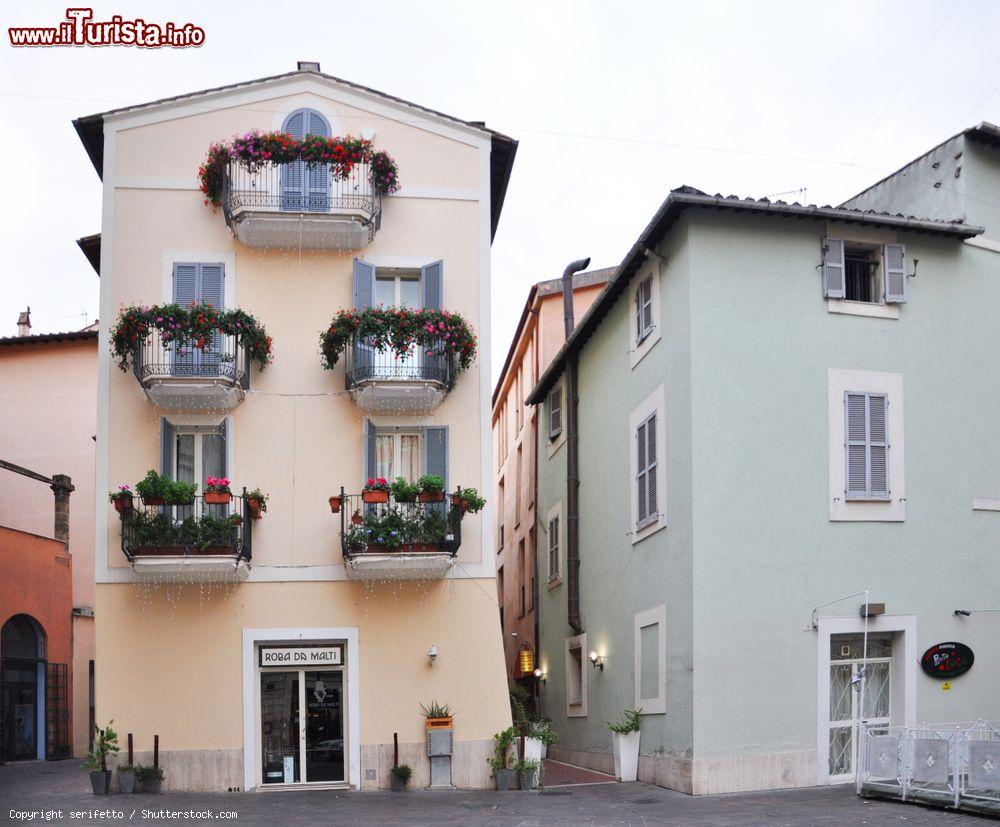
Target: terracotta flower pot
x,y
357,519
335,503
256,512
124,504
152,501
460,503
218,497
431,496
375,496
439,723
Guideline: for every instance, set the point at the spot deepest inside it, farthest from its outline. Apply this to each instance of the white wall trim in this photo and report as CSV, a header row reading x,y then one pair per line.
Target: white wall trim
x,y
984,244
904,662
484,240
638,351
654,403
402,262
986,503
894,509
649,617
352,674
870,309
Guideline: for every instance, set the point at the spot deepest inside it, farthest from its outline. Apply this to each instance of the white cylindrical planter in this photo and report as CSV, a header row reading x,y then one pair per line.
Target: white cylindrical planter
x,y
533,749
626,749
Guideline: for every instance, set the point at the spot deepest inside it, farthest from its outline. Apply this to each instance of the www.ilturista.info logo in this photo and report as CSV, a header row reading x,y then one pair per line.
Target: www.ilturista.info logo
x,y
79,29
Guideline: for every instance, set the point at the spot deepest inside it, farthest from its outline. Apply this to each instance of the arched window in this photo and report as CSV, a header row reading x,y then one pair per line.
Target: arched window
x,y
22,638
305,188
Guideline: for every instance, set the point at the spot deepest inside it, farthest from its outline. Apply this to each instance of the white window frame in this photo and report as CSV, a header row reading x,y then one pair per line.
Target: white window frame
x,y
641,346
655,403
397,451
198,432
893,509
554,514
578,642
556,441
656,616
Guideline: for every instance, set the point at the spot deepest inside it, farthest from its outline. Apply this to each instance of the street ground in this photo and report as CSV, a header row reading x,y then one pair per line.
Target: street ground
x,y
41,788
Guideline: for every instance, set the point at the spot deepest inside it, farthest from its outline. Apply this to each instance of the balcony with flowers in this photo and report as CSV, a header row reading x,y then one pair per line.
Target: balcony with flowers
x,y
172,534
398,359
279,191
402,530
192,358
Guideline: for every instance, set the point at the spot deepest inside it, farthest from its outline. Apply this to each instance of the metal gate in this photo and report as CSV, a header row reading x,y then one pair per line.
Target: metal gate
x,y
57,737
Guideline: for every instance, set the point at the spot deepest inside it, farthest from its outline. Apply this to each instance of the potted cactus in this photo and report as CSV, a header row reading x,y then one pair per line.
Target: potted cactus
x,y
431,488
437,716
217,491
376,490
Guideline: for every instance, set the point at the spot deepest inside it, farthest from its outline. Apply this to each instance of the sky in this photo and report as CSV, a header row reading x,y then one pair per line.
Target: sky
x,y
613,103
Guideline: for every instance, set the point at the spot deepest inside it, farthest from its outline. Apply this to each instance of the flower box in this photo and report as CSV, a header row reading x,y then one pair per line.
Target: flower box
x,y
431,496
439,723
375,496
255,508
335,503
218,497
153,501
123,503
159,551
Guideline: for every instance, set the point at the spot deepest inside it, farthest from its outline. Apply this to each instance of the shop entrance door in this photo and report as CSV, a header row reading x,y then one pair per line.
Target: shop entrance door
x,y
302,726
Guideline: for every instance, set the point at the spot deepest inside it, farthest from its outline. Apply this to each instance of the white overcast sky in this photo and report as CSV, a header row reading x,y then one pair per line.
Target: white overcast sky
x,y
614,103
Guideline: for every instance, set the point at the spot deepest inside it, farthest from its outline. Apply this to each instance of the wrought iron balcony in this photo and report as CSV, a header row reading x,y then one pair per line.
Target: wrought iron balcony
x,y
399,540
288,205
198,542
382,382
178,376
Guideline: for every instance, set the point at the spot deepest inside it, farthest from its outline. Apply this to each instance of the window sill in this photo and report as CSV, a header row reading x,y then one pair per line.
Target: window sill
x,y
555,581
869,309
640,349
646,530
556,444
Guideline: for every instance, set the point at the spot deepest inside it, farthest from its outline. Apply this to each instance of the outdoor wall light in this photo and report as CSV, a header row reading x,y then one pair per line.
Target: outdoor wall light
x,y
961,613
432,654
597,661
540,675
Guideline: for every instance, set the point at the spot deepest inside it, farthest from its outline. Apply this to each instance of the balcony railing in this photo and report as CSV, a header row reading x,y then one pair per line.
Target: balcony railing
x,y
399,540
177,375
383,382
279,204
199,541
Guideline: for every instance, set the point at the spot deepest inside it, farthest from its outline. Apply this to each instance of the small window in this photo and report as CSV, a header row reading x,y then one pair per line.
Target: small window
x,y
650,660
575,675
867,273
862,275
644,309
522,564
555,413
646,495
554,560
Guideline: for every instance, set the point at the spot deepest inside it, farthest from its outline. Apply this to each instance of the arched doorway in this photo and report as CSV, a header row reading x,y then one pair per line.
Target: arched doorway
x,y
22,689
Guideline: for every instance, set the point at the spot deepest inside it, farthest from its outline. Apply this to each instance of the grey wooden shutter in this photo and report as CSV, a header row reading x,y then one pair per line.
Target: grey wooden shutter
x,y
371,462
211,290
651,504
167,438
436,455
638,313
364,295
182,354
647,306
641,497
293,174
224,446
833,268
317,176
555,413
894,259
878,447
431,294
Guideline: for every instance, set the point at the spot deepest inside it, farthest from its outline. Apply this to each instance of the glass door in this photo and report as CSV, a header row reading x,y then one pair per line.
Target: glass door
x,y
397,291
324,736
279,727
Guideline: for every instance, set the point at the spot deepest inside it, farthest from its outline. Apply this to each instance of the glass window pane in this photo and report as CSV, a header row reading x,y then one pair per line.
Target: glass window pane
x,y
324,726
649,660
840,751
385,290
409,292
383,456
185,458
213,457
877,691
409,450
840,692
279,726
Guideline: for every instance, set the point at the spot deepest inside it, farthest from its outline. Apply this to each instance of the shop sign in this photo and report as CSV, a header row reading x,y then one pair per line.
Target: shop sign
x,y
947,660
301,655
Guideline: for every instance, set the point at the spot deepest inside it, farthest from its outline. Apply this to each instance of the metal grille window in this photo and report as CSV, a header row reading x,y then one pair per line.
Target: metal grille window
x,y
554,549
866,445
644,309
57,743
555,413
646,495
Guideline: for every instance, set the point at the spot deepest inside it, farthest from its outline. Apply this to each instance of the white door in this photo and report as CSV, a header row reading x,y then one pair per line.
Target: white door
x,y
849,682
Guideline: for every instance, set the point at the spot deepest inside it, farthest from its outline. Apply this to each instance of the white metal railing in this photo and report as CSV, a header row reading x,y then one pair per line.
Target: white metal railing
x,y
956,765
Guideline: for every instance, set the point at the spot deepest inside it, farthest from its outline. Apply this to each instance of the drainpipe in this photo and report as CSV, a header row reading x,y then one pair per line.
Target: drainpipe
x,y
572,458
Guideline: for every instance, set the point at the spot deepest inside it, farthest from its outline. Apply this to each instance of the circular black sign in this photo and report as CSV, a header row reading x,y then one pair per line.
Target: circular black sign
x,y
947,660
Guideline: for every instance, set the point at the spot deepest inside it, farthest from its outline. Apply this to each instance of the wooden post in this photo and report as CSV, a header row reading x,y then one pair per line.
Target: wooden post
x,y
395,749
156,751
130,749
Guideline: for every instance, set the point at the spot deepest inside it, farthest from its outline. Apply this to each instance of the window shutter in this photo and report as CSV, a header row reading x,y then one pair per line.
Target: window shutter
x,y
638,313
878,447
856,425
651,504
647,306
370,460
436,452
224,447
185,284
211,290
641,499
555,413
293,174
317,176
364,284
894,259
431,285
167,436
833,268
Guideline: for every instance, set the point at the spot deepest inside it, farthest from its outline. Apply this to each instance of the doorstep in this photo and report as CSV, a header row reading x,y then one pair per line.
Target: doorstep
x,y
558,774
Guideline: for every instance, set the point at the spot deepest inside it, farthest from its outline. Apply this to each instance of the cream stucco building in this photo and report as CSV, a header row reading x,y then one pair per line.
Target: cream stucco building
x,y
187,632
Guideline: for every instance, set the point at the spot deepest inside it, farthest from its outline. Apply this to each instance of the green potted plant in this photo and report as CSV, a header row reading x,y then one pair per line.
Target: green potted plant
x,y
126,778
336,502
399,777
179,493
625,737
121,499
527,773
437,716
468,500
403,491
217,491
500,761
257,500
152,488
105,744
376,490
151,778
431,488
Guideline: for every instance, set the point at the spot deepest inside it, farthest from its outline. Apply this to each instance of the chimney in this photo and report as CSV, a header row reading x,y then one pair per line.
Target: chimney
x,y
308,66
24,323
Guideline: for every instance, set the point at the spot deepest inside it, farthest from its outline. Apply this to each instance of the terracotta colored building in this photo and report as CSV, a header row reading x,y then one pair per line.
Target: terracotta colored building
x,y
48,392
539,335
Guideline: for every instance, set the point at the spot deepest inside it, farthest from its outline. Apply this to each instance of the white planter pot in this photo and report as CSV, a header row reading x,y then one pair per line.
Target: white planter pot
x,y
626,750
533,750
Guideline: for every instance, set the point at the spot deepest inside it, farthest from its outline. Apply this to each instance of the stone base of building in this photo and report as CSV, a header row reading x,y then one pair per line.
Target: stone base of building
x,y
707,776
221,770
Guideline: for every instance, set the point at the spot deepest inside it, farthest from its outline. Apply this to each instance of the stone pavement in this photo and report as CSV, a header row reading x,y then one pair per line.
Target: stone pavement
x,y
63,786
558,774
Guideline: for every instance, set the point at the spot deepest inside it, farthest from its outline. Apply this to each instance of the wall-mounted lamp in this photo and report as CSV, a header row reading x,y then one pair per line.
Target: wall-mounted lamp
x,y
432,654
597,661
961,613
913,275
540,675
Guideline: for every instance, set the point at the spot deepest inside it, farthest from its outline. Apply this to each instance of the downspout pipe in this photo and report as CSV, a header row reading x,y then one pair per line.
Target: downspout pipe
x,y
572,458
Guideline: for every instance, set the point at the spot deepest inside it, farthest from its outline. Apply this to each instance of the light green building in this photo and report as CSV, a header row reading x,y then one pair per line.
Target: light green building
x,y
784,413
